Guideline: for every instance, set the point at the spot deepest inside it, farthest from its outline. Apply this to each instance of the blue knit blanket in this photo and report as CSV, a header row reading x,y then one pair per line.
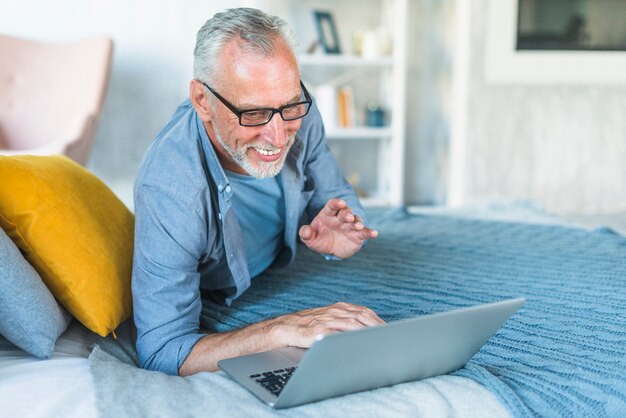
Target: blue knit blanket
x,y
562,354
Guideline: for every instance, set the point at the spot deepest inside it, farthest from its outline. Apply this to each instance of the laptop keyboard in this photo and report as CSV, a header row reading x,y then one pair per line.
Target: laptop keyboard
x,y
275,380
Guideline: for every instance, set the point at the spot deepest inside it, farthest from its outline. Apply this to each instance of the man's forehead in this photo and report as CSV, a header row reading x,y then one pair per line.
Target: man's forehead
x,y
266,94
251,64
251,79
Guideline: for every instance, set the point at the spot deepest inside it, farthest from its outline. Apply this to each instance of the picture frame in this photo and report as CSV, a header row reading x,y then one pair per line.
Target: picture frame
x,y
327,32
504,64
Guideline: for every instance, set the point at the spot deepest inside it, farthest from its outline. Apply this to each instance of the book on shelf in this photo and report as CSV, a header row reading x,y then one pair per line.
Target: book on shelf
x,y
345,107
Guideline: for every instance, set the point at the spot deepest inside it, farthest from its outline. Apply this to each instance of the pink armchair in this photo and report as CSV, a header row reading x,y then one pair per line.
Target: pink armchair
x,y
51,95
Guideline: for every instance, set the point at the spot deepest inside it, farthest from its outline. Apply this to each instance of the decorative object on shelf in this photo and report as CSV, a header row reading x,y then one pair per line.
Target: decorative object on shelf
x,y
326,98
374,114
327,32
312,47
357,42
375,43
345,105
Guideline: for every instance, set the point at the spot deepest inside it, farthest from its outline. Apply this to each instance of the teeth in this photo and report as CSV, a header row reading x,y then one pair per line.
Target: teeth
x,y
268,152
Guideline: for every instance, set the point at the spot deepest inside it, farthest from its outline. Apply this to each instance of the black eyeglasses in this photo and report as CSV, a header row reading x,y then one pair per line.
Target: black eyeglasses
x,y
261,116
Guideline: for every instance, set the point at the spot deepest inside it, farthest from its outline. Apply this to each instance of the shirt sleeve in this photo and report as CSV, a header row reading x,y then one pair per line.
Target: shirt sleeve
x,y
322,172
170,237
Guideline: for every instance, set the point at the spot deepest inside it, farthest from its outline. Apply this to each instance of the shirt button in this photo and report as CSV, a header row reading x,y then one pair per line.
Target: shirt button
x,y
227,189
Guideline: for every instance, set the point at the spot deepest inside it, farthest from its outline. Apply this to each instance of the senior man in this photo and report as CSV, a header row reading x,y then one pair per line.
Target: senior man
x,y
223,192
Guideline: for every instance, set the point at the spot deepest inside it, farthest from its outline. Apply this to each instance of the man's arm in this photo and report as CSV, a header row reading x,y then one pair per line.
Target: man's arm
x,y
170,238
294,330
167,301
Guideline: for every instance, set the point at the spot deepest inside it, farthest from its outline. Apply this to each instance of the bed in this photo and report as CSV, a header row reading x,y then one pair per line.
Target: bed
x,y
562,354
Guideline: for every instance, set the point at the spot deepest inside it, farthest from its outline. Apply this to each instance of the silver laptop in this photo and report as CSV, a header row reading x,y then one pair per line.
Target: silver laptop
x,y
369,358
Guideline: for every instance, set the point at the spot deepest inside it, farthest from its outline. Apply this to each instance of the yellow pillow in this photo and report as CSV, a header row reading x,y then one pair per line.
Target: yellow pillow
x,y
75,232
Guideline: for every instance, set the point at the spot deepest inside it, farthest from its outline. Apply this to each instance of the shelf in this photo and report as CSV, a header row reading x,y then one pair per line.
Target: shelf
x,y
373,157
375,202
343,60
359,133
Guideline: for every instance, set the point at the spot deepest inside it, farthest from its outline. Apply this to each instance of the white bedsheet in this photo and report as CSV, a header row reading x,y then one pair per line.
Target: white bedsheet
x,y
57,387
62,387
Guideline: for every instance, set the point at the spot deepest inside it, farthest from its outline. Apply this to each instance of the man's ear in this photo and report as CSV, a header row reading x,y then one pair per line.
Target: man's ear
x,y
198,97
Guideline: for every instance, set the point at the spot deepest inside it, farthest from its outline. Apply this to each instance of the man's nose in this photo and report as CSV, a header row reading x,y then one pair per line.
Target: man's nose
x,y
276,131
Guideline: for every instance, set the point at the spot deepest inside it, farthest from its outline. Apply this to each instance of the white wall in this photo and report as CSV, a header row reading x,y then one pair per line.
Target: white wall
x,y
431,46
152,64
563,145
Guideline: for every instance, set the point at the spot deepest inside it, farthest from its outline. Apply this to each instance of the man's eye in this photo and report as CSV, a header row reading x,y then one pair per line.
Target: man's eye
x,y
293,110
255,115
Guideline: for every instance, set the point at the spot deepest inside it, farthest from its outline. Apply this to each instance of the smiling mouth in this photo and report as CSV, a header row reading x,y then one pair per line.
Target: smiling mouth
x,y
268,152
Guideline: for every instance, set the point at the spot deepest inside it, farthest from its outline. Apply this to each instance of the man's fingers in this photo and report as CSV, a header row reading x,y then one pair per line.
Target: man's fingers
x,y
346,215
347,312
364,314
357,225
357,230
307,233
344,320
303,328
355,320
339,210
367,233
345,324
333,206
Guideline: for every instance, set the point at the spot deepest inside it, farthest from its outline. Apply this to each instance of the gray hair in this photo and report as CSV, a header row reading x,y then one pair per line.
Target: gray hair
x,y
258,31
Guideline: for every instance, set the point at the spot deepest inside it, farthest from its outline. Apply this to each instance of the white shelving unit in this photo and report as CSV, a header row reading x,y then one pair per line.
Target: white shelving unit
x,y
344,60
383,133
383,146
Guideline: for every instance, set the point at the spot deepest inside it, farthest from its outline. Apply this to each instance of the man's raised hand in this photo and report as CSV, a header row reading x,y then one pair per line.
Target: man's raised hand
x,y
336,231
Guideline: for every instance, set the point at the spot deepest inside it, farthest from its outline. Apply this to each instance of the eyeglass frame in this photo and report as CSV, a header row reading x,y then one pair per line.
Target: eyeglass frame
x,y
279,110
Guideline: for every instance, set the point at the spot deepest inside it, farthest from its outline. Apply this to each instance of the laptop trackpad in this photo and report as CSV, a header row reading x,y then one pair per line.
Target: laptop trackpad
x,y
294,354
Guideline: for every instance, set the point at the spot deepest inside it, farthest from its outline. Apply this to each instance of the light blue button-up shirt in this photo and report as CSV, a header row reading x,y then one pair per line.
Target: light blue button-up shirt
x,y
187,236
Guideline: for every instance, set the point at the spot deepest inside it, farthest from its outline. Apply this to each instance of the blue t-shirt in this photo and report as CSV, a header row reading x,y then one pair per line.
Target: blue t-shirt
x,y
259,205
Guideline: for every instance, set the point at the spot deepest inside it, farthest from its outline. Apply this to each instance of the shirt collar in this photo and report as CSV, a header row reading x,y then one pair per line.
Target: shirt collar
x,y
213,163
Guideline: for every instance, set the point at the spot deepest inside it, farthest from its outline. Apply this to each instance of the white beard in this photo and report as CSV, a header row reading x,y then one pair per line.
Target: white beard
x,y
261,169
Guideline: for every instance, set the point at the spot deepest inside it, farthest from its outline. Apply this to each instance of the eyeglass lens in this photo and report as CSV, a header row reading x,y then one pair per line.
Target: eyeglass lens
x,y
261,116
